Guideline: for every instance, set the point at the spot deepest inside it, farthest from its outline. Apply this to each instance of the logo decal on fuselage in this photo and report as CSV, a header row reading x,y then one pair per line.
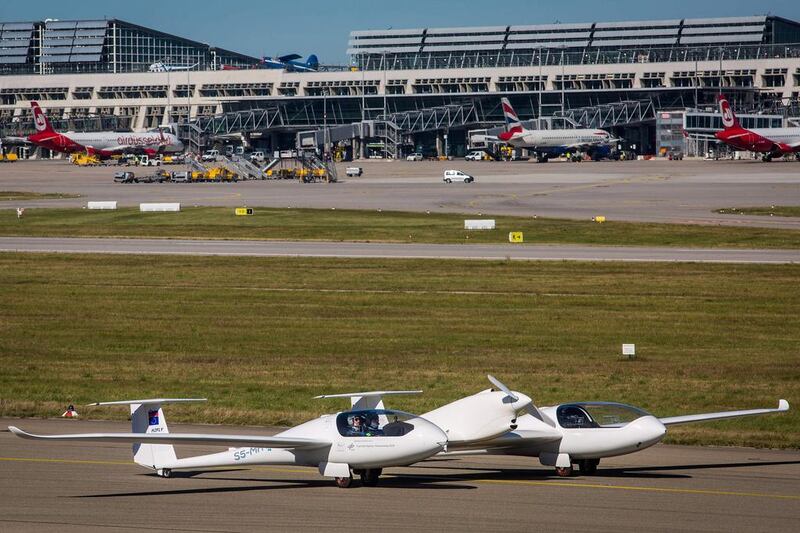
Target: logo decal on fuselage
x,y
152,417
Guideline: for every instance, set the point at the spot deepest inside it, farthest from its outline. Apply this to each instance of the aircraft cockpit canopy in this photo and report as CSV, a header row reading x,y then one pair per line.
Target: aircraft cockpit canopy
x,y
597,415
374,423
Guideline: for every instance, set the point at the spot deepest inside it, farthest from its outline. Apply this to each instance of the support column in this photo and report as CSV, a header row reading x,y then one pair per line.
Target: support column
x,y
439,144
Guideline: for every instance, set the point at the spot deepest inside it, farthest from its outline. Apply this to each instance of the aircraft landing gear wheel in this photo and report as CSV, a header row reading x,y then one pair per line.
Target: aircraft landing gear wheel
x,y
165,472
565,471
588,467
344,482
369,477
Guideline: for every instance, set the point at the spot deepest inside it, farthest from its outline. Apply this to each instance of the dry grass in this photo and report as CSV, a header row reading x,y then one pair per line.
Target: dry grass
x,y
261,337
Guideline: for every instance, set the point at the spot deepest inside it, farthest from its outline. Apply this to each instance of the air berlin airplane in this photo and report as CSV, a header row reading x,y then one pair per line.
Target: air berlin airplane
x,y
772,142
102,144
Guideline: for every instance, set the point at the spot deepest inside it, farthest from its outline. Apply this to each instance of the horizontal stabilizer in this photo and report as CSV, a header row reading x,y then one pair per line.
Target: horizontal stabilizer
x,y
150,401
367,400
783,405
182,438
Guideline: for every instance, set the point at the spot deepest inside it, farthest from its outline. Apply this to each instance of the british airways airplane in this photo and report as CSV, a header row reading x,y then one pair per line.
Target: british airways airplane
x,y
547,143
102,144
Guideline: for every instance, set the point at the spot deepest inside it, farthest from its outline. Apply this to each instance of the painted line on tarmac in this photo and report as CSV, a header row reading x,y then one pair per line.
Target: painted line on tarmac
x,y
639,489
64,461
633,488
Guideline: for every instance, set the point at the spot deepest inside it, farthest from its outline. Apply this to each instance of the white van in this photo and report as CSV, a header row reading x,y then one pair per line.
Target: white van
x,y
257,157
474,156
456,175
210,155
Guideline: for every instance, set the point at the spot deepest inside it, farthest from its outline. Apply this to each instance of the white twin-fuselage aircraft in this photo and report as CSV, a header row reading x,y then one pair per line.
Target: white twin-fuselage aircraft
x,y
368,437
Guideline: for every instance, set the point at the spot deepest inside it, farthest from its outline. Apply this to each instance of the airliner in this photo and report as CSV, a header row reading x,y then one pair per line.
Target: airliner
x,y
771,142
102,144
550,142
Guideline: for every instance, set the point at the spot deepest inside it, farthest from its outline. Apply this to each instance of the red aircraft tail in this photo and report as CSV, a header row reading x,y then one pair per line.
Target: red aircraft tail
x,y
40,119
729,119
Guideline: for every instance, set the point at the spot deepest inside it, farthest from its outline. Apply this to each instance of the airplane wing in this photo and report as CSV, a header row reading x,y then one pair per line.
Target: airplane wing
x,y
289,57
783,405
182,438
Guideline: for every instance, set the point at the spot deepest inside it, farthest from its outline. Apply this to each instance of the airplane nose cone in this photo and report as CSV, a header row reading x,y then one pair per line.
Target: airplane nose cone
x,y
652,429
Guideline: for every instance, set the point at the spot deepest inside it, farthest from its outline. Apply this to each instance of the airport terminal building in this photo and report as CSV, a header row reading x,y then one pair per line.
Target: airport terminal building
x,y
406,90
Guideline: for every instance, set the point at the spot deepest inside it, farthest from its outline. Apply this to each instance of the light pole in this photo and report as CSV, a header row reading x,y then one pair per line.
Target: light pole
x,y
563,80
540,86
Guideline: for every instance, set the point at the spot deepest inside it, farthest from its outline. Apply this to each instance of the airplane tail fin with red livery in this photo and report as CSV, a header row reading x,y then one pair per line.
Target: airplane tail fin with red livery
x,y
729,119
40,119
513,124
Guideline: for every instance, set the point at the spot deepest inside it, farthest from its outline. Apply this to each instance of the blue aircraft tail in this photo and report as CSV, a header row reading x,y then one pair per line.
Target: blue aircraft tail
x,y
312,62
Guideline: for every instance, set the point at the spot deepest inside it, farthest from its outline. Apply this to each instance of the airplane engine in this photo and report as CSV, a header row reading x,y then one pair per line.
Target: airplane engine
x,y
482,416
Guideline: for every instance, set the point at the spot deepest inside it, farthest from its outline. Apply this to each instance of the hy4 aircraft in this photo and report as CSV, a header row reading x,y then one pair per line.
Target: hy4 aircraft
x,y
770,142
362,440
102,144
582,433
547,143
291,63
368,437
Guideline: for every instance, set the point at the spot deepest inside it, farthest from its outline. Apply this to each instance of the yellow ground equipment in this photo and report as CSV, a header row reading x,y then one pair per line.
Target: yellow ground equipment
x,y
515,236
84,160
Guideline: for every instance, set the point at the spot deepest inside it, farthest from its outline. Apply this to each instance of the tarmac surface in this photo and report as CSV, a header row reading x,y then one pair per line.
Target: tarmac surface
x,y
651,191
386,250
84,486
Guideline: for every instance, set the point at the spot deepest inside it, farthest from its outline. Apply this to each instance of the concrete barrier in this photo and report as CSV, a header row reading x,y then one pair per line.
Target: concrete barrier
x,y
172,207
479,224
101,205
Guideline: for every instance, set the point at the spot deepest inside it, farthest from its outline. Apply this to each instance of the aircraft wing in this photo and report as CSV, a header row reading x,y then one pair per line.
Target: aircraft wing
x,y
183,438
290,57
783,405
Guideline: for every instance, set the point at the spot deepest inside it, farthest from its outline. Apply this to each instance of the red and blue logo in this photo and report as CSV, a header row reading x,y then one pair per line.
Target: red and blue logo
x,y
153,417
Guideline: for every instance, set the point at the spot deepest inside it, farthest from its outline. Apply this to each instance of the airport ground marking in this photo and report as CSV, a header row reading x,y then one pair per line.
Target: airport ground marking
x,y
708,492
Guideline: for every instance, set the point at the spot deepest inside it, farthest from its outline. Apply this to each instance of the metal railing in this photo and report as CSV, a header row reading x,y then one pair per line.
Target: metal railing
x,y
556,56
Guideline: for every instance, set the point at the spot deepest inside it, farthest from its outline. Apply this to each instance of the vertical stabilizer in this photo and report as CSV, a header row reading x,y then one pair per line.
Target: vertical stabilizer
x,y
149,418
729,119
40,119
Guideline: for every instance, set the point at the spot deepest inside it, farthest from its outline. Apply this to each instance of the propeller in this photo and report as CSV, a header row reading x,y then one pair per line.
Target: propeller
x,y
497,383
530,408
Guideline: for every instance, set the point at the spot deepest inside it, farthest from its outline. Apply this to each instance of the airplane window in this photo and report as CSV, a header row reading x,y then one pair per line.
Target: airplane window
x,y
597,415
374,423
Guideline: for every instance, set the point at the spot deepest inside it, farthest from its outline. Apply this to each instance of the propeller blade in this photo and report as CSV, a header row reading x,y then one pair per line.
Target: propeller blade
x,y
497,383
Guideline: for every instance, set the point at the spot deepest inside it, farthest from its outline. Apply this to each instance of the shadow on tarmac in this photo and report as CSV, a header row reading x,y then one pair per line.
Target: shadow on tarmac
x,y
443,481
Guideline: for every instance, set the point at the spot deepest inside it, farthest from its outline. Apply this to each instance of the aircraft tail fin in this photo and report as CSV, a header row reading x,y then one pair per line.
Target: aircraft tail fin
x,y
513,124
729,119
40,119
147,416
312,62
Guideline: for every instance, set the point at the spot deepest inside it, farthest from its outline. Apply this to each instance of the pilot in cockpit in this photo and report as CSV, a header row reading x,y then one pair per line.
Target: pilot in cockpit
x,y
356,426
373,425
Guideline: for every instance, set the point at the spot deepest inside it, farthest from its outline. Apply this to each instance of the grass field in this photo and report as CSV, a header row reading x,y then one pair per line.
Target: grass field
x,y
773,210
261,337
24,195
341,225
